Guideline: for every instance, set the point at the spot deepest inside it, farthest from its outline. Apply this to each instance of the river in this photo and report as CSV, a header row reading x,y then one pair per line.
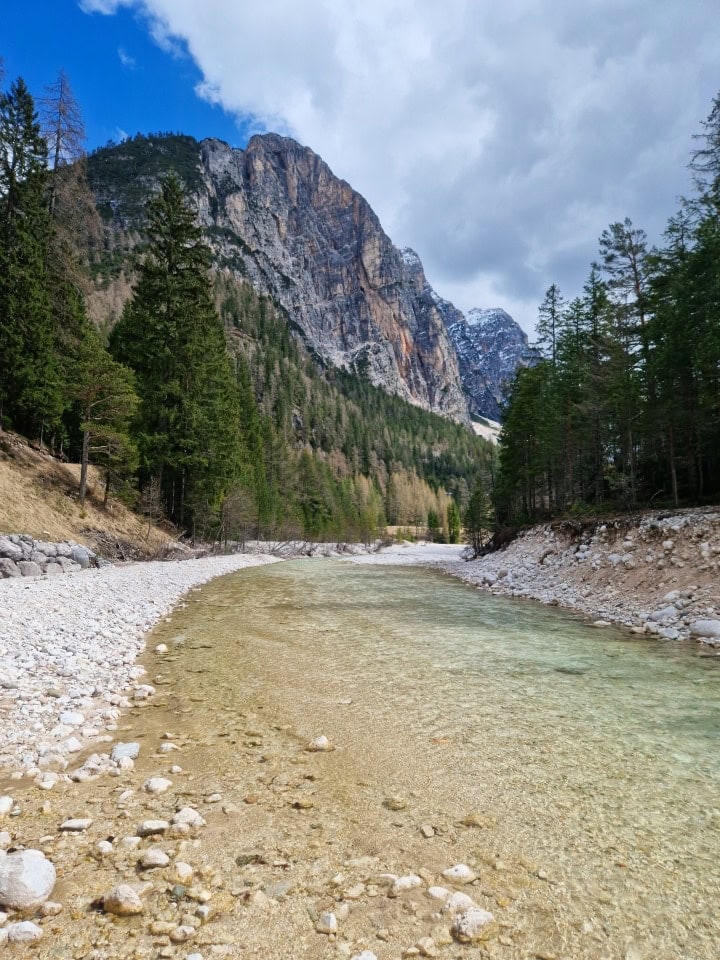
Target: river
x,y
589,757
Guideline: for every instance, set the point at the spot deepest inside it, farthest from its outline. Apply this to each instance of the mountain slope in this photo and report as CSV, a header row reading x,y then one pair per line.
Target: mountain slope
x,y
277,216
490,345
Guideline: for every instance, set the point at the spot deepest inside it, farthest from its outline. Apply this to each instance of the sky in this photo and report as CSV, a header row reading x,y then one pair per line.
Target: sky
x,y
498,140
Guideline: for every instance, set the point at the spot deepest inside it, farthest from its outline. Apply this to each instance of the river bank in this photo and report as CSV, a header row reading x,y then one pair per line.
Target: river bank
x,y
657,575
68,651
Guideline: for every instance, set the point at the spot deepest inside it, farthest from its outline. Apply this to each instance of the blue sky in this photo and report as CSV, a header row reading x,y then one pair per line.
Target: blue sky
x,y
497,139
124,81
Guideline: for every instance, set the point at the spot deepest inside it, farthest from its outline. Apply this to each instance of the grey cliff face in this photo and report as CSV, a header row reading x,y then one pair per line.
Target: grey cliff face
x,y
490,346
277,215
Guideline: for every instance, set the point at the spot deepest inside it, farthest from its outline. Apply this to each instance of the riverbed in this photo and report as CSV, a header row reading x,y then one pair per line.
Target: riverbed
x,y
575,771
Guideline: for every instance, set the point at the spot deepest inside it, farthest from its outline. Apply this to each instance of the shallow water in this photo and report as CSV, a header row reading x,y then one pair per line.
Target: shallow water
x,y
592,754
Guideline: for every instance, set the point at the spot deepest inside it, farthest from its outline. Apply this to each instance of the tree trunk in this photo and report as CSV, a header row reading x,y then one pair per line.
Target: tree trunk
x,y
84,466
673,467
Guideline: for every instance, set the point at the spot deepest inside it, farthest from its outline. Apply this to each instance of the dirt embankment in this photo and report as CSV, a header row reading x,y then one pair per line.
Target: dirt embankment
x,y
38,496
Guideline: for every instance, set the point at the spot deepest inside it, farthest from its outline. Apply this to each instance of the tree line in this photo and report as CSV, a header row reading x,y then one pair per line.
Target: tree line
x,y
623,409
196,401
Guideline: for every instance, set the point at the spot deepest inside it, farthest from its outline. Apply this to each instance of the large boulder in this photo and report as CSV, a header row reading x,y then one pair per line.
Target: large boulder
x,y
10,550
29,569
8,568
82,556
707,629
27,879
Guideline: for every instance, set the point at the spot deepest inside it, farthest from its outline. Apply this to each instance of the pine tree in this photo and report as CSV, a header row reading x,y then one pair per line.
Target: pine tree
x,y
171,336
29,381
478,518
453,522
550,322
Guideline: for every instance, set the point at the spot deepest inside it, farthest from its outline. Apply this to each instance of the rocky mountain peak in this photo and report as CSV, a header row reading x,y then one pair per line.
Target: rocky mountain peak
x,y
277,215
490,347
491,319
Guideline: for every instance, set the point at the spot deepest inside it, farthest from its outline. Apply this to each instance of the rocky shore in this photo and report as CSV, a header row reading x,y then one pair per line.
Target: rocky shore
x,y
68,647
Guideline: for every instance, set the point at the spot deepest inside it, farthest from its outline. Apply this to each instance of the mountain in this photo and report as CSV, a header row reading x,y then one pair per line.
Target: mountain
x,y
490,346
277,217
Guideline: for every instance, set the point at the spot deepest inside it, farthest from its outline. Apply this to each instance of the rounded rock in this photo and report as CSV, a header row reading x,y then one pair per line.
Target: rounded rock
x,y
460,873
154,858
409,882
457,902
320,744
24,932
188,816
157,785
27,879
472,925
123,901
77,825
327,923
149,828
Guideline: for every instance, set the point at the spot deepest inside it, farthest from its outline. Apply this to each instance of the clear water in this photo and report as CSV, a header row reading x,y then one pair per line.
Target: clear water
x,y
592,754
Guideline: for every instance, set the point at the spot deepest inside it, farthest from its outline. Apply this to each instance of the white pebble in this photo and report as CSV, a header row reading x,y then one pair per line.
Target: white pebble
x,y
157,785
460,873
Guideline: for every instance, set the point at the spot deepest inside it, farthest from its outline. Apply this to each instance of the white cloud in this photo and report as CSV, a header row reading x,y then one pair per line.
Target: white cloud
x,y
126,60
497,140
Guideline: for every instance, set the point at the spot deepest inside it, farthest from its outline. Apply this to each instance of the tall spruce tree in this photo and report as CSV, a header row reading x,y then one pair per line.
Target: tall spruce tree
x,y
172,337
549,324
30,390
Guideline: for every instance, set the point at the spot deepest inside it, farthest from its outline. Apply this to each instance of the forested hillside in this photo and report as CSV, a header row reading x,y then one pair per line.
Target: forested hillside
x,y
187,388
624,409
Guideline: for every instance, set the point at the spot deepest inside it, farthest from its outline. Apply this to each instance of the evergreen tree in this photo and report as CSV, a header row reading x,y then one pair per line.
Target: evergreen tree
x,y
478,520
30,390
550,322
453,522
171,336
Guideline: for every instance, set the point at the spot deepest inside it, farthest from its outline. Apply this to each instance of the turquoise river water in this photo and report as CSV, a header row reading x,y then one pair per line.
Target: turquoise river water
x,y
592,754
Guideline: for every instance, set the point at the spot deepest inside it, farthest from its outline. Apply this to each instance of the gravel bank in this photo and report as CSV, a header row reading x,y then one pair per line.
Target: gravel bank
x,y
68,648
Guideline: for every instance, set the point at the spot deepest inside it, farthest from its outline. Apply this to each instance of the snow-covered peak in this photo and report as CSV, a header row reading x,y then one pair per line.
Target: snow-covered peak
x,y
493,317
